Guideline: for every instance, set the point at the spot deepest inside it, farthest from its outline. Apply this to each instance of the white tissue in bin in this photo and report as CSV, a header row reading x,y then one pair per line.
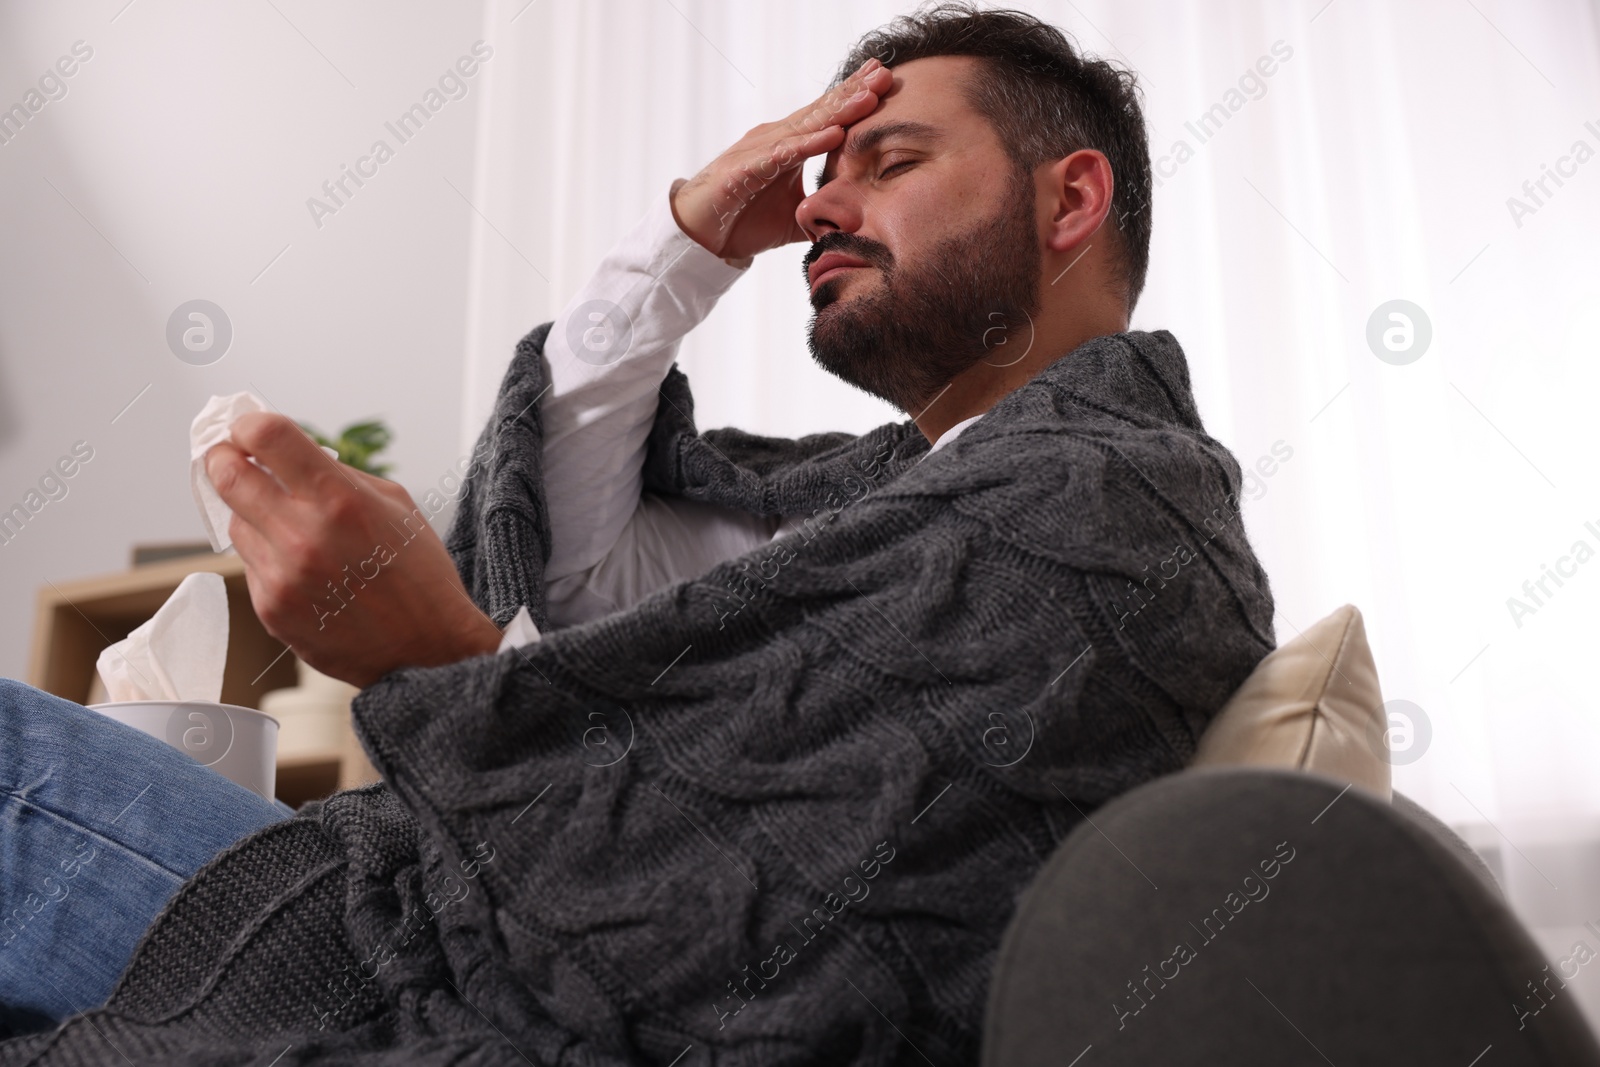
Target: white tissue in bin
x,y
179,654
211,427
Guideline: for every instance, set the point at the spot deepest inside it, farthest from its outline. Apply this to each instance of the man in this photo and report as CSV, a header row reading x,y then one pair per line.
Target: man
x,y
808,715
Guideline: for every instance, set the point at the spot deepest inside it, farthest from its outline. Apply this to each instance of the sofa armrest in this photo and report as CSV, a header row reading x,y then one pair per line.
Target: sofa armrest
x,y
1450,840
1261,916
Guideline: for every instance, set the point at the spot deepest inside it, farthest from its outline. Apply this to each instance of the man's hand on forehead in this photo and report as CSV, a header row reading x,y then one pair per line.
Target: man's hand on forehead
x,y
744,201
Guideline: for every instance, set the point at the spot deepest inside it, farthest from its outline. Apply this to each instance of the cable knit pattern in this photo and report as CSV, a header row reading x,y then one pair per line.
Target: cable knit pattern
x,y
775,815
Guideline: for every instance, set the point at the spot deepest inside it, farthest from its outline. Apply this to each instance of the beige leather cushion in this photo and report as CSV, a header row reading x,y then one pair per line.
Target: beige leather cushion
x,y
1311,705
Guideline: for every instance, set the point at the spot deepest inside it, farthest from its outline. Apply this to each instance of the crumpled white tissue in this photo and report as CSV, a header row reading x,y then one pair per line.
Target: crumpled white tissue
x,y
211,427
520,631
179,654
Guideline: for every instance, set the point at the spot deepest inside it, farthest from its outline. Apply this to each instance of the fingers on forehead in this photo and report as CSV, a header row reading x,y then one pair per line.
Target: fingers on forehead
x,y
825,106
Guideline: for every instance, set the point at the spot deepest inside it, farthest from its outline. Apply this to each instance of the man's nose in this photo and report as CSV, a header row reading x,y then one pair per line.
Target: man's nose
x,y
834,208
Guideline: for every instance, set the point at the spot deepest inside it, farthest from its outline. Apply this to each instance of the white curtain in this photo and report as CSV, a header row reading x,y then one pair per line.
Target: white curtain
x,y
1373,164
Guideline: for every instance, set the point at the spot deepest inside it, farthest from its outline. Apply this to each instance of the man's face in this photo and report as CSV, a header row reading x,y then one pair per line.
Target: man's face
x,y
926,245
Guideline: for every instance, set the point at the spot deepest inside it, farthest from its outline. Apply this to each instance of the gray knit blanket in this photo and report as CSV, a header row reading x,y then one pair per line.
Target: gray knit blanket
x,y
778,814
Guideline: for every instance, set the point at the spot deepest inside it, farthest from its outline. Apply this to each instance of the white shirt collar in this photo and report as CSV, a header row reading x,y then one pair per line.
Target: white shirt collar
x,y
952,433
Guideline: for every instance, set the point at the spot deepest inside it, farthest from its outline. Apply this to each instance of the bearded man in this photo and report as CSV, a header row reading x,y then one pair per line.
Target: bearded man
x,y
805,716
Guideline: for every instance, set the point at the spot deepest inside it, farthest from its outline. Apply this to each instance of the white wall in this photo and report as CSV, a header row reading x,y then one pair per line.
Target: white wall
x,y
190,143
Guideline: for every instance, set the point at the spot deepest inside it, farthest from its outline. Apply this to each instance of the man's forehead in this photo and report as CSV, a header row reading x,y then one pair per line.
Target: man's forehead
x,y
925,99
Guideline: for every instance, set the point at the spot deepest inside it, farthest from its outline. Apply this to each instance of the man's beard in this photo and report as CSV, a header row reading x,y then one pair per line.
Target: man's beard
x,y
927,322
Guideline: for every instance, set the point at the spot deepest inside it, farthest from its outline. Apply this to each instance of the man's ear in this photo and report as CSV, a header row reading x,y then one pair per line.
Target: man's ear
x,y
1083,185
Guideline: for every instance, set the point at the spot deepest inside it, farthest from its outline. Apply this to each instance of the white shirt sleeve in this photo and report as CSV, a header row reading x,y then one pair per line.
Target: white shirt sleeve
x,y
611,543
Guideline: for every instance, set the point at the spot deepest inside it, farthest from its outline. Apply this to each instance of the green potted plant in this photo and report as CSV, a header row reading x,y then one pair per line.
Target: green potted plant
x,y
357,445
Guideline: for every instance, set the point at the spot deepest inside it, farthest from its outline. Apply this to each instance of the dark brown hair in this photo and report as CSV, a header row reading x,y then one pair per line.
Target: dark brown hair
x,y
1045,99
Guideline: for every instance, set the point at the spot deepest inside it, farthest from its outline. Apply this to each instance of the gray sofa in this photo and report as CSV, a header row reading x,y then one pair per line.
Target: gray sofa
x,y
1277,903
1380,939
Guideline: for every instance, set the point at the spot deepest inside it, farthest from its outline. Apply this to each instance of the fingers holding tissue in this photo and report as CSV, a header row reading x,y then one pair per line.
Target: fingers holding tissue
x,y
342,566
211,427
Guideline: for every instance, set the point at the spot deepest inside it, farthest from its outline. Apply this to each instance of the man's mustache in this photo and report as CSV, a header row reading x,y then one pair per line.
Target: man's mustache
x,y
848,244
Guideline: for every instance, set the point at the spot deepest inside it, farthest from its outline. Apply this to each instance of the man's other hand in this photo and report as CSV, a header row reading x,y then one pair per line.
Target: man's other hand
x,y
342,566
744,201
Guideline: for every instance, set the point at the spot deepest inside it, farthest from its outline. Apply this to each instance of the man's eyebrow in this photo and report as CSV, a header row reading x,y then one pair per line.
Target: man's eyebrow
x,y
865,141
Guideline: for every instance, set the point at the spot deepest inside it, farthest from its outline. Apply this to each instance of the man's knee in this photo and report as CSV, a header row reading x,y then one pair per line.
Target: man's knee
x,y
17,698
11,688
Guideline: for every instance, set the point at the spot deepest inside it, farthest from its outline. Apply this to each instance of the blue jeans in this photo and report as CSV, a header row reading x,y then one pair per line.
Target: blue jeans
x,y
99,826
